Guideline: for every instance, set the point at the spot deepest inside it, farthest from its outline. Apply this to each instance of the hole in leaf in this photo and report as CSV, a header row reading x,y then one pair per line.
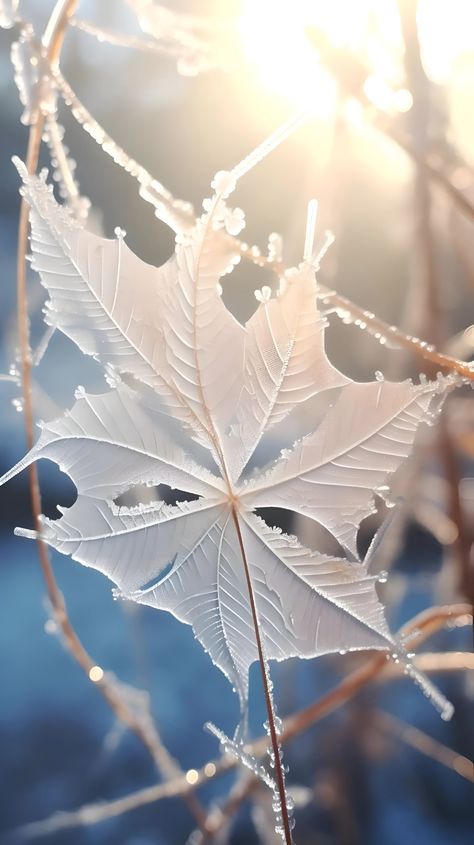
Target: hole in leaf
x,y
310,534
140,494
57,489
278,518
172,497
157,579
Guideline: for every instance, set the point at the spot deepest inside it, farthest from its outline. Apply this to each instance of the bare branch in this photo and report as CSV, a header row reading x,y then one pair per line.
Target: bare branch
x,y
425,744
420,628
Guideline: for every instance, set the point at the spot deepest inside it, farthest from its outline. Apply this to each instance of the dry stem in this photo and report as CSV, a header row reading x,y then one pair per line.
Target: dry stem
x,y
143,729
425,744
421,627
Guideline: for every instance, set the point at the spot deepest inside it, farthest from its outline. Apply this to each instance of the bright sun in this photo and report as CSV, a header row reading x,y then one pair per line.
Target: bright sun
x,y
274,37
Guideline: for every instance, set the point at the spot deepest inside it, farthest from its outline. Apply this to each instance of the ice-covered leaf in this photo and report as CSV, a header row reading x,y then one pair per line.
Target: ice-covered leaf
x,y
196,373
111,442
332,474
156,324
285,361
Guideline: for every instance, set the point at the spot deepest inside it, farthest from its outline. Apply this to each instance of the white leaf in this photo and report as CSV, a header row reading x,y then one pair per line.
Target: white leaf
x,y
310,604
129,545
331,475
285,361
110,442
204,343
211,562
117,308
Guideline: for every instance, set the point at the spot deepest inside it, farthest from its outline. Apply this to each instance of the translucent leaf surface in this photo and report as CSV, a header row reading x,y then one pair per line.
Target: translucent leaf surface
x,y
285,361
154,323
111,442
209,561
332,475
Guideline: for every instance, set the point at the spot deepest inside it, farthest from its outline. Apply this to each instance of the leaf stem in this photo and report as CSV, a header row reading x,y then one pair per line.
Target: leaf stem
x,y
279,771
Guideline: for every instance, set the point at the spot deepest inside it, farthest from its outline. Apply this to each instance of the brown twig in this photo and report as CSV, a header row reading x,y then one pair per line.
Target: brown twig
x,y
220,816
386,333
419,628
52,41
144,729
425,744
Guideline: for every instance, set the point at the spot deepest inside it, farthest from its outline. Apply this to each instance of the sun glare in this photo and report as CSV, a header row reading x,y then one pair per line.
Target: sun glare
x,y
275,39
276,43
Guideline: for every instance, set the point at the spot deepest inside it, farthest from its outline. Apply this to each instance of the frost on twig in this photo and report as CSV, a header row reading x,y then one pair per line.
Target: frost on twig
x,y
32,75
422,626
64,170
200,44
237,749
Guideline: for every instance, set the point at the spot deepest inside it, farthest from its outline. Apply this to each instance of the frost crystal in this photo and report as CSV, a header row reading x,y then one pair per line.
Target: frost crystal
x,y
193,395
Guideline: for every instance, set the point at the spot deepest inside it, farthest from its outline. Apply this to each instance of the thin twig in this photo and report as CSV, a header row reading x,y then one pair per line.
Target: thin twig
x,y
52,42
177,214
218,817
419,628
435,662
119,39
425,744
388,334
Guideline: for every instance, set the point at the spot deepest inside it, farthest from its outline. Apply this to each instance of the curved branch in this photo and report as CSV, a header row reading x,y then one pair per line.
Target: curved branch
x,y
144,729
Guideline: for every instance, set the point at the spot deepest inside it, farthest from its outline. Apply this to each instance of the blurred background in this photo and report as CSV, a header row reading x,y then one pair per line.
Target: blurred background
x,y
389,154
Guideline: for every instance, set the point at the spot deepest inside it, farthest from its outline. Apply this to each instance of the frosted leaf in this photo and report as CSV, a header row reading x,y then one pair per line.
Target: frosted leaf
x,y
331,475
285,362
191,371
204,344
156,323
110,442
130,545
315,604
